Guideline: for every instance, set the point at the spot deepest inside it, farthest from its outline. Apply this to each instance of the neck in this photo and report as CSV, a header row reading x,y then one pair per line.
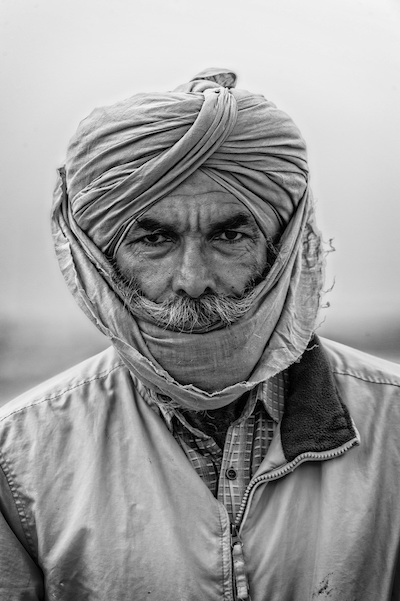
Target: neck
x,y
215,422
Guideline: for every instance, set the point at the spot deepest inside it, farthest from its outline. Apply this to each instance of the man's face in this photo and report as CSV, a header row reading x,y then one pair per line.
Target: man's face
x,y
200,240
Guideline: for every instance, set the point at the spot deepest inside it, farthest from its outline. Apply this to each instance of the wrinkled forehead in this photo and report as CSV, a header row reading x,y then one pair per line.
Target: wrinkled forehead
x,y
199,206
199,193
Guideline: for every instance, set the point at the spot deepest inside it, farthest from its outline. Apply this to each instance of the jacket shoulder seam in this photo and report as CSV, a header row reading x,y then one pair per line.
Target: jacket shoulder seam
x,y
99,376
366,379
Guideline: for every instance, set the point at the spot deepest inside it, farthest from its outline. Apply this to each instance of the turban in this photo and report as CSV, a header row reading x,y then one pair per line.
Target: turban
x,y
125,158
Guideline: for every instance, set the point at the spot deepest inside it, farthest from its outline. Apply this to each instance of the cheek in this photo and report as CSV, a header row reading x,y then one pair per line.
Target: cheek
x,y
234,279
245,264
152,277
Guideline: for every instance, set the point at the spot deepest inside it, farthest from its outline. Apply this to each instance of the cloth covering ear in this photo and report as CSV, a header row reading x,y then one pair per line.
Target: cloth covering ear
x,y
125,158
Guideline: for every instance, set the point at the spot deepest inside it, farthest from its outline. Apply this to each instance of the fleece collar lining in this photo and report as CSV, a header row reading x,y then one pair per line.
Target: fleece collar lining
x,y
315,419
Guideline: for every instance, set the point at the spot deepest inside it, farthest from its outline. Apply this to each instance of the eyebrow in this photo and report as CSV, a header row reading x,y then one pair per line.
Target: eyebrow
x,y
150,224
231,223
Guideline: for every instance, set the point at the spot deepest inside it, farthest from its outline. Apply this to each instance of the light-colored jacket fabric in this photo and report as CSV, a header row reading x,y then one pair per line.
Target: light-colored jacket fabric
x,y
99,502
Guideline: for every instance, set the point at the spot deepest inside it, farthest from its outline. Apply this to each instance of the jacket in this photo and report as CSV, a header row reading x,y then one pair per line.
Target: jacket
x,y
99,502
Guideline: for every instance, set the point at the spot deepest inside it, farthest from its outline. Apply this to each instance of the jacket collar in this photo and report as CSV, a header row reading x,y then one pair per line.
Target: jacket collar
x,y
315,419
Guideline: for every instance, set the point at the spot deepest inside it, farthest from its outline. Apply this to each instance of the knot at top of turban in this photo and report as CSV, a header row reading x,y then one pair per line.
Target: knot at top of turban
x,y
126,157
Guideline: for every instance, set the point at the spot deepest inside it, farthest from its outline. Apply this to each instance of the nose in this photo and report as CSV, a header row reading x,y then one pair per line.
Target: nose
x,y
193,275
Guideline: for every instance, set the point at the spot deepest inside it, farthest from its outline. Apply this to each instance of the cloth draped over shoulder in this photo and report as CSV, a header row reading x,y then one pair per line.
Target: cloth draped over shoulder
x,y
125,158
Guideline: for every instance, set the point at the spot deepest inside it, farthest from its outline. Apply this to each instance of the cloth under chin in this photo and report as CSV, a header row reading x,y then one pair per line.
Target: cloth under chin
x,y
214,360
208,370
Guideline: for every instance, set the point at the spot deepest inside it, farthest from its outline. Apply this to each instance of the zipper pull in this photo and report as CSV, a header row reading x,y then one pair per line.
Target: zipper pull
x,y
239,569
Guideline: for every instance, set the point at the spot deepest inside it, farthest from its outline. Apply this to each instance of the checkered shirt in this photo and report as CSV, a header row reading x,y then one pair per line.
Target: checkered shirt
x,y
228,471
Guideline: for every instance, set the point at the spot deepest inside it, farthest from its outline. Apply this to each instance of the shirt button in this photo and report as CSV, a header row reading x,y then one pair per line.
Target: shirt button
x,y
231,473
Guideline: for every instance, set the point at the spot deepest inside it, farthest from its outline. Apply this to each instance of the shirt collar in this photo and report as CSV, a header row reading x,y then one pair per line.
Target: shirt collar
x,y
270,393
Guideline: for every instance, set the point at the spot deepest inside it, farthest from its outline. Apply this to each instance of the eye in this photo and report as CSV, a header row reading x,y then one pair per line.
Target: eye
x,y
154,239
231,236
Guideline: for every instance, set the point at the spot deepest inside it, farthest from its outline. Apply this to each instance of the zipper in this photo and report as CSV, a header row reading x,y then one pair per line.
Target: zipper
x,y
240,581
289,467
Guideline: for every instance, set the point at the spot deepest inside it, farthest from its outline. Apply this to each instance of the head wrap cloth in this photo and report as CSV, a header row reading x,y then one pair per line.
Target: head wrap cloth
x,y
125,158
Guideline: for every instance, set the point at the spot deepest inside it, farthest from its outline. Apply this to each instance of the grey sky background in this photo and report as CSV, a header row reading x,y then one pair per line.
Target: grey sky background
x,y
333,65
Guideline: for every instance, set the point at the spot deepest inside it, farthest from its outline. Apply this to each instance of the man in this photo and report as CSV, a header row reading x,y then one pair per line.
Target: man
x,y
219,449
